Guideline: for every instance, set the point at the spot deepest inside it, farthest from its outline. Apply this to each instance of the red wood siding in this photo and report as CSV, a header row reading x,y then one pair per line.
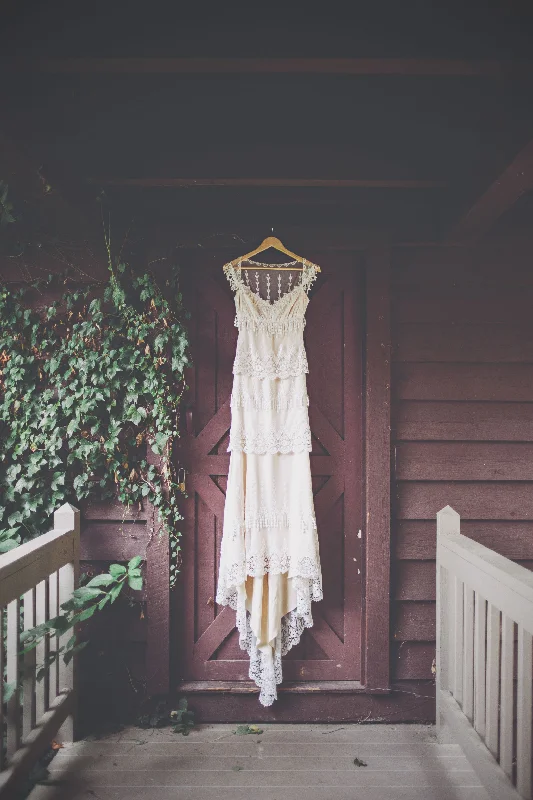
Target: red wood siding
x,y
462,423
128,656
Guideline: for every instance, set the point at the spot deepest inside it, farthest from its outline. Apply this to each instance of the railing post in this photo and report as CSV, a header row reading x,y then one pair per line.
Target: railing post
x,y
68,517
448,523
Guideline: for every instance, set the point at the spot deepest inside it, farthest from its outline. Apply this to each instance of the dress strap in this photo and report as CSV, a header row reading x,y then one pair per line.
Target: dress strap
x,y
309,275
233,279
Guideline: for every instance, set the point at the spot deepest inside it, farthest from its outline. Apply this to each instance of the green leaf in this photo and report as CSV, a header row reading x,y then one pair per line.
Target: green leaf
x,y
86,614
135,562
101,580
116,570
8,544
135,583
115,591
104,601
86,593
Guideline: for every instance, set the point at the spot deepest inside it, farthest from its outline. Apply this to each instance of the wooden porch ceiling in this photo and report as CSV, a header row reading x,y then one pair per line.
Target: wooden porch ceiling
x,y
488,68
387,141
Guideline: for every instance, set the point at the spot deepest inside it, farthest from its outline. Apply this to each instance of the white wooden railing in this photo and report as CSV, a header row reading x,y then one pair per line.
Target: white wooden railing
x,y
484,683
35,579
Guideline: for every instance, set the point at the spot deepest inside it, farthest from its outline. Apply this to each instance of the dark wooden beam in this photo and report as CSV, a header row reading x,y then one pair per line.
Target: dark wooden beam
x,y
343,183
377,531
515,181
333,66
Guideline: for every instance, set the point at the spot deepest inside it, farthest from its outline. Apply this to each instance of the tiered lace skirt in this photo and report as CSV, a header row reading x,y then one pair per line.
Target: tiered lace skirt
x,y
269,566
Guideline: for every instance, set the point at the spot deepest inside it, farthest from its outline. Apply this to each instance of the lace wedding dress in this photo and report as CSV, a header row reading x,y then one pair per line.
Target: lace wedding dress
x,y
269,564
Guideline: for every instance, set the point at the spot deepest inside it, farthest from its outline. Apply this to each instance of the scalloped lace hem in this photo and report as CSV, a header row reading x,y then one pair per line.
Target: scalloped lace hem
x,y
265,662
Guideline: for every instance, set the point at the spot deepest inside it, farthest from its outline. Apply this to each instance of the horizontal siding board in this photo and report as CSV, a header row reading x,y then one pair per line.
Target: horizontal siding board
x,y
490,500
463,343
417,539
414,580
453,421
454,267
464,461
115,511
413,661
462,422
494,382
495,305
414,621
113,540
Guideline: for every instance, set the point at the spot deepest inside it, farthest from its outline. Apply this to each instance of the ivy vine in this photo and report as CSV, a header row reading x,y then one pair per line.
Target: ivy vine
x,y
90,390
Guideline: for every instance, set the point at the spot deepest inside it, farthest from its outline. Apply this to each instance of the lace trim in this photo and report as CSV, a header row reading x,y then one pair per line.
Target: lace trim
x,y
274,266
286,364
270,441
272,326
309,276
258,402
233,279
261,563
265,664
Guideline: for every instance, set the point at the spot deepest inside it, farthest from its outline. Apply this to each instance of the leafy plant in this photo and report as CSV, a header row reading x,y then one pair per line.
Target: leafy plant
x,y
93,596
89,398
160,716
85,601
183,717
9,539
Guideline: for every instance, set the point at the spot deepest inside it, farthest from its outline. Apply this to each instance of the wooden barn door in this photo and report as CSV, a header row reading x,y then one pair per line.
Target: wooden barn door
x,y
208,643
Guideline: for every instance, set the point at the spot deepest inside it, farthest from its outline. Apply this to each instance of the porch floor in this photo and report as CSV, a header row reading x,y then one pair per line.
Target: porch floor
x,y
285,762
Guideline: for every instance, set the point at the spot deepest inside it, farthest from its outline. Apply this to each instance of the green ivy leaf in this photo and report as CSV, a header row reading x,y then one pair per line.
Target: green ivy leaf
x,y
101,580
135,583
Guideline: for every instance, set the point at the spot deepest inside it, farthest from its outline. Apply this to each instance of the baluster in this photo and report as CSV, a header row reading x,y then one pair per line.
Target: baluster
x,y
2,666
480,629
28,714
12,670
493,679
506,701
41,651
456,668
68,517
524,700
53,611
468,654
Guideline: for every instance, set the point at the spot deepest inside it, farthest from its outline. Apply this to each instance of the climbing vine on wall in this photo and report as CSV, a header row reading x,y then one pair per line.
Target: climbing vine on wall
x,y
90,389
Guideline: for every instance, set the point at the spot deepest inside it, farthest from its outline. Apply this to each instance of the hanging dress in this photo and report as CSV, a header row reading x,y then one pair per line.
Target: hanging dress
x,y
269,563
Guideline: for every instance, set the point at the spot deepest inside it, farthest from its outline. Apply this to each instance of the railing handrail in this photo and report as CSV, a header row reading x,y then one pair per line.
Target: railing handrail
x,y
483,683
36,578
505,582
31,562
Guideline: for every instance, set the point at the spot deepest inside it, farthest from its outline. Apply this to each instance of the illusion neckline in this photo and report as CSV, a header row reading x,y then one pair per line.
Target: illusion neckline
x,y
270,304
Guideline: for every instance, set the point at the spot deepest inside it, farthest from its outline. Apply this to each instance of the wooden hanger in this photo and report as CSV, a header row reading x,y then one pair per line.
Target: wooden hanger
x,y
272,241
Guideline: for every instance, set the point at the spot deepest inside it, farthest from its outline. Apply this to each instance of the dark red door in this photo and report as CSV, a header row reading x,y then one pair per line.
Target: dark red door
x,y
208,643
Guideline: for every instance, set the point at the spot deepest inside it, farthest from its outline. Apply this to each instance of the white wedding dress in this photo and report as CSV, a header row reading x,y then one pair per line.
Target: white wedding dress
x,y
269,564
